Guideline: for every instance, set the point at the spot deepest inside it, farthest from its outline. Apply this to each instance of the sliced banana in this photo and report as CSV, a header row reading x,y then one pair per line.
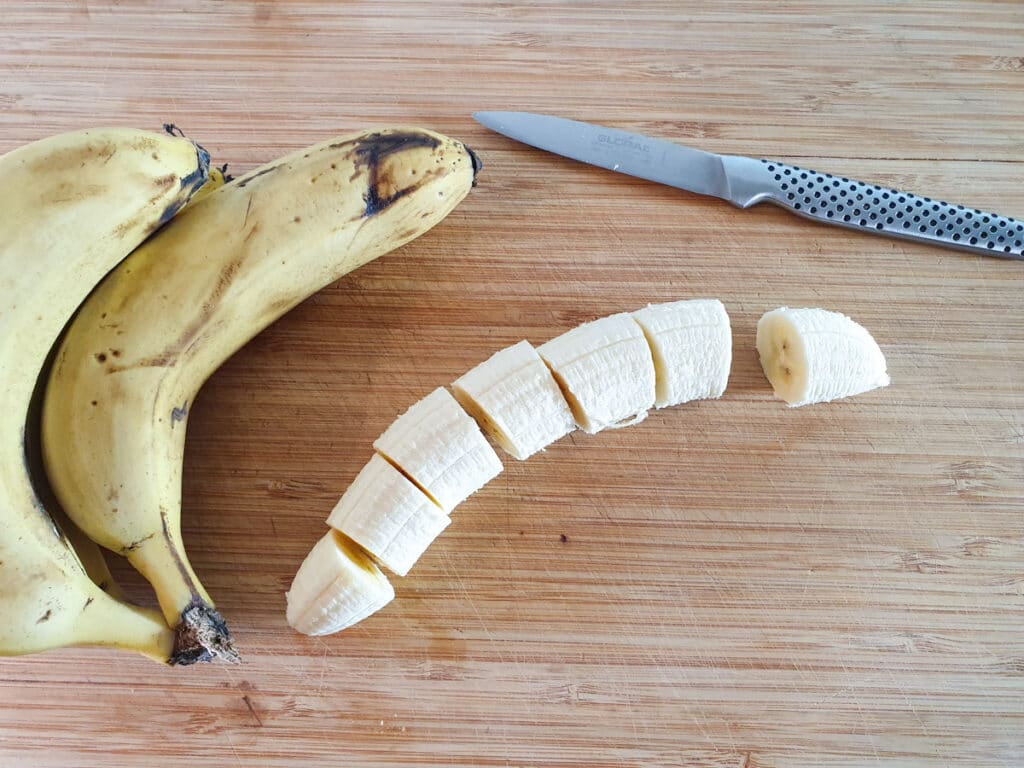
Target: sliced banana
x,y
814,355
605,370
441,449
691,342
337,585
516,399
388,516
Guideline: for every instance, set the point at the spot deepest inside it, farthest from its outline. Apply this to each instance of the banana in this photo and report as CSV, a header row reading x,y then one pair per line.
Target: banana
x,y
336,586
516,400
74,205
430,459
814,355
691,342
388,516
605,370
218,178
440,448
134,359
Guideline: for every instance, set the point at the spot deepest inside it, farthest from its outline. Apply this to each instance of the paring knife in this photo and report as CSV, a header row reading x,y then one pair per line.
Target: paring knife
x,y
745,181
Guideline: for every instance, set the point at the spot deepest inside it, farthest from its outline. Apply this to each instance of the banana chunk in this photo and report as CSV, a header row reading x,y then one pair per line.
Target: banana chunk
x,y
388,516
441,449
337,585
516,400
605,370
814,355
691,342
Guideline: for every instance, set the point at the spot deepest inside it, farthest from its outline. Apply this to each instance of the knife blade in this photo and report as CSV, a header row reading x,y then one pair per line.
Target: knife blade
x,y
747,181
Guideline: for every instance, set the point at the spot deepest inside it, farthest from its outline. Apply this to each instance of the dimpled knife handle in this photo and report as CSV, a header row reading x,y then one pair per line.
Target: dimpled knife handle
x,y
883,211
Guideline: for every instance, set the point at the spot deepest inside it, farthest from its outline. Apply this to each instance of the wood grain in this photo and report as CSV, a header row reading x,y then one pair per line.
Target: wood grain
x,y
740,585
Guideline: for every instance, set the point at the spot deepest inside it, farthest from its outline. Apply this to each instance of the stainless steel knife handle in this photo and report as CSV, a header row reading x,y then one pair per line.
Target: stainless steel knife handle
x,y
849,203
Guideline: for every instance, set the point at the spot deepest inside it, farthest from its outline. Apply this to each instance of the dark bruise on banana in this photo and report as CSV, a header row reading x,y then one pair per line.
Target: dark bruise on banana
x,y
369,155
373,155
187,187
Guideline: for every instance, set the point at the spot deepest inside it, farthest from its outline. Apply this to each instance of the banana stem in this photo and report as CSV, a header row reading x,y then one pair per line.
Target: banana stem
x,y
200,633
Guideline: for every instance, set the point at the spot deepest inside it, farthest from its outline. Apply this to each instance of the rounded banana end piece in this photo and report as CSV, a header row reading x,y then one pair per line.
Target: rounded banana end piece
x,y
337,585
814,355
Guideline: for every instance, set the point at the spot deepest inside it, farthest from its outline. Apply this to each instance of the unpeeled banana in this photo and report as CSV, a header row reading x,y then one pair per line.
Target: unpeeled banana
x,y
128,371
74,206
812,355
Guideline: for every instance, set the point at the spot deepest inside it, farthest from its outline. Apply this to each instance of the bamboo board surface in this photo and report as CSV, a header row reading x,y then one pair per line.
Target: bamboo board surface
x,y
730,584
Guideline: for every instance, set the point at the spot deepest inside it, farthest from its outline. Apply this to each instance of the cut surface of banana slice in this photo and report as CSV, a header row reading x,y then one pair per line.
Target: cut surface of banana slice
x,y
336,586
605,370
388,516
814,355
441,449
691,342
516,399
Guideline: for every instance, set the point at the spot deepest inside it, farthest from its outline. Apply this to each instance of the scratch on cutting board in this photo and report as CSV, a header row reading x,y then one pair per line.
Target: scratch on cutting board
x,y
323,672
238,758
855,700
472,605
252,709
913,710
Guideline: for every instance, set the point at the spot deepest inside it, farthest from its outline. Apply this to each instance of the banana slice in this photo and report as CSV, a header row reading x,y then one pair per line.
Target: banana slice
x,y
691,342
337,585
516,399
605,370
388,516
814,355
441,449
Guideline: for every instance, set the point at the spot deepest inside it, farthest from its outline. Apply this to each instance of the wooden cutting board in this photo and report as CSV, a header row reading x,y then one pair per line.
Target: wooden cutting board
x,y
731,584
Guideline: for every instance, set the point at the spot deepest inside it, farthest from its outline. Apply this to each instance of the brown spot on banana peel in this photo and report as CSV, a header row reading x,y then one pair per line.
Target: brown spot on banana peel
x,y
45,617
249,179
165,182
135,544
